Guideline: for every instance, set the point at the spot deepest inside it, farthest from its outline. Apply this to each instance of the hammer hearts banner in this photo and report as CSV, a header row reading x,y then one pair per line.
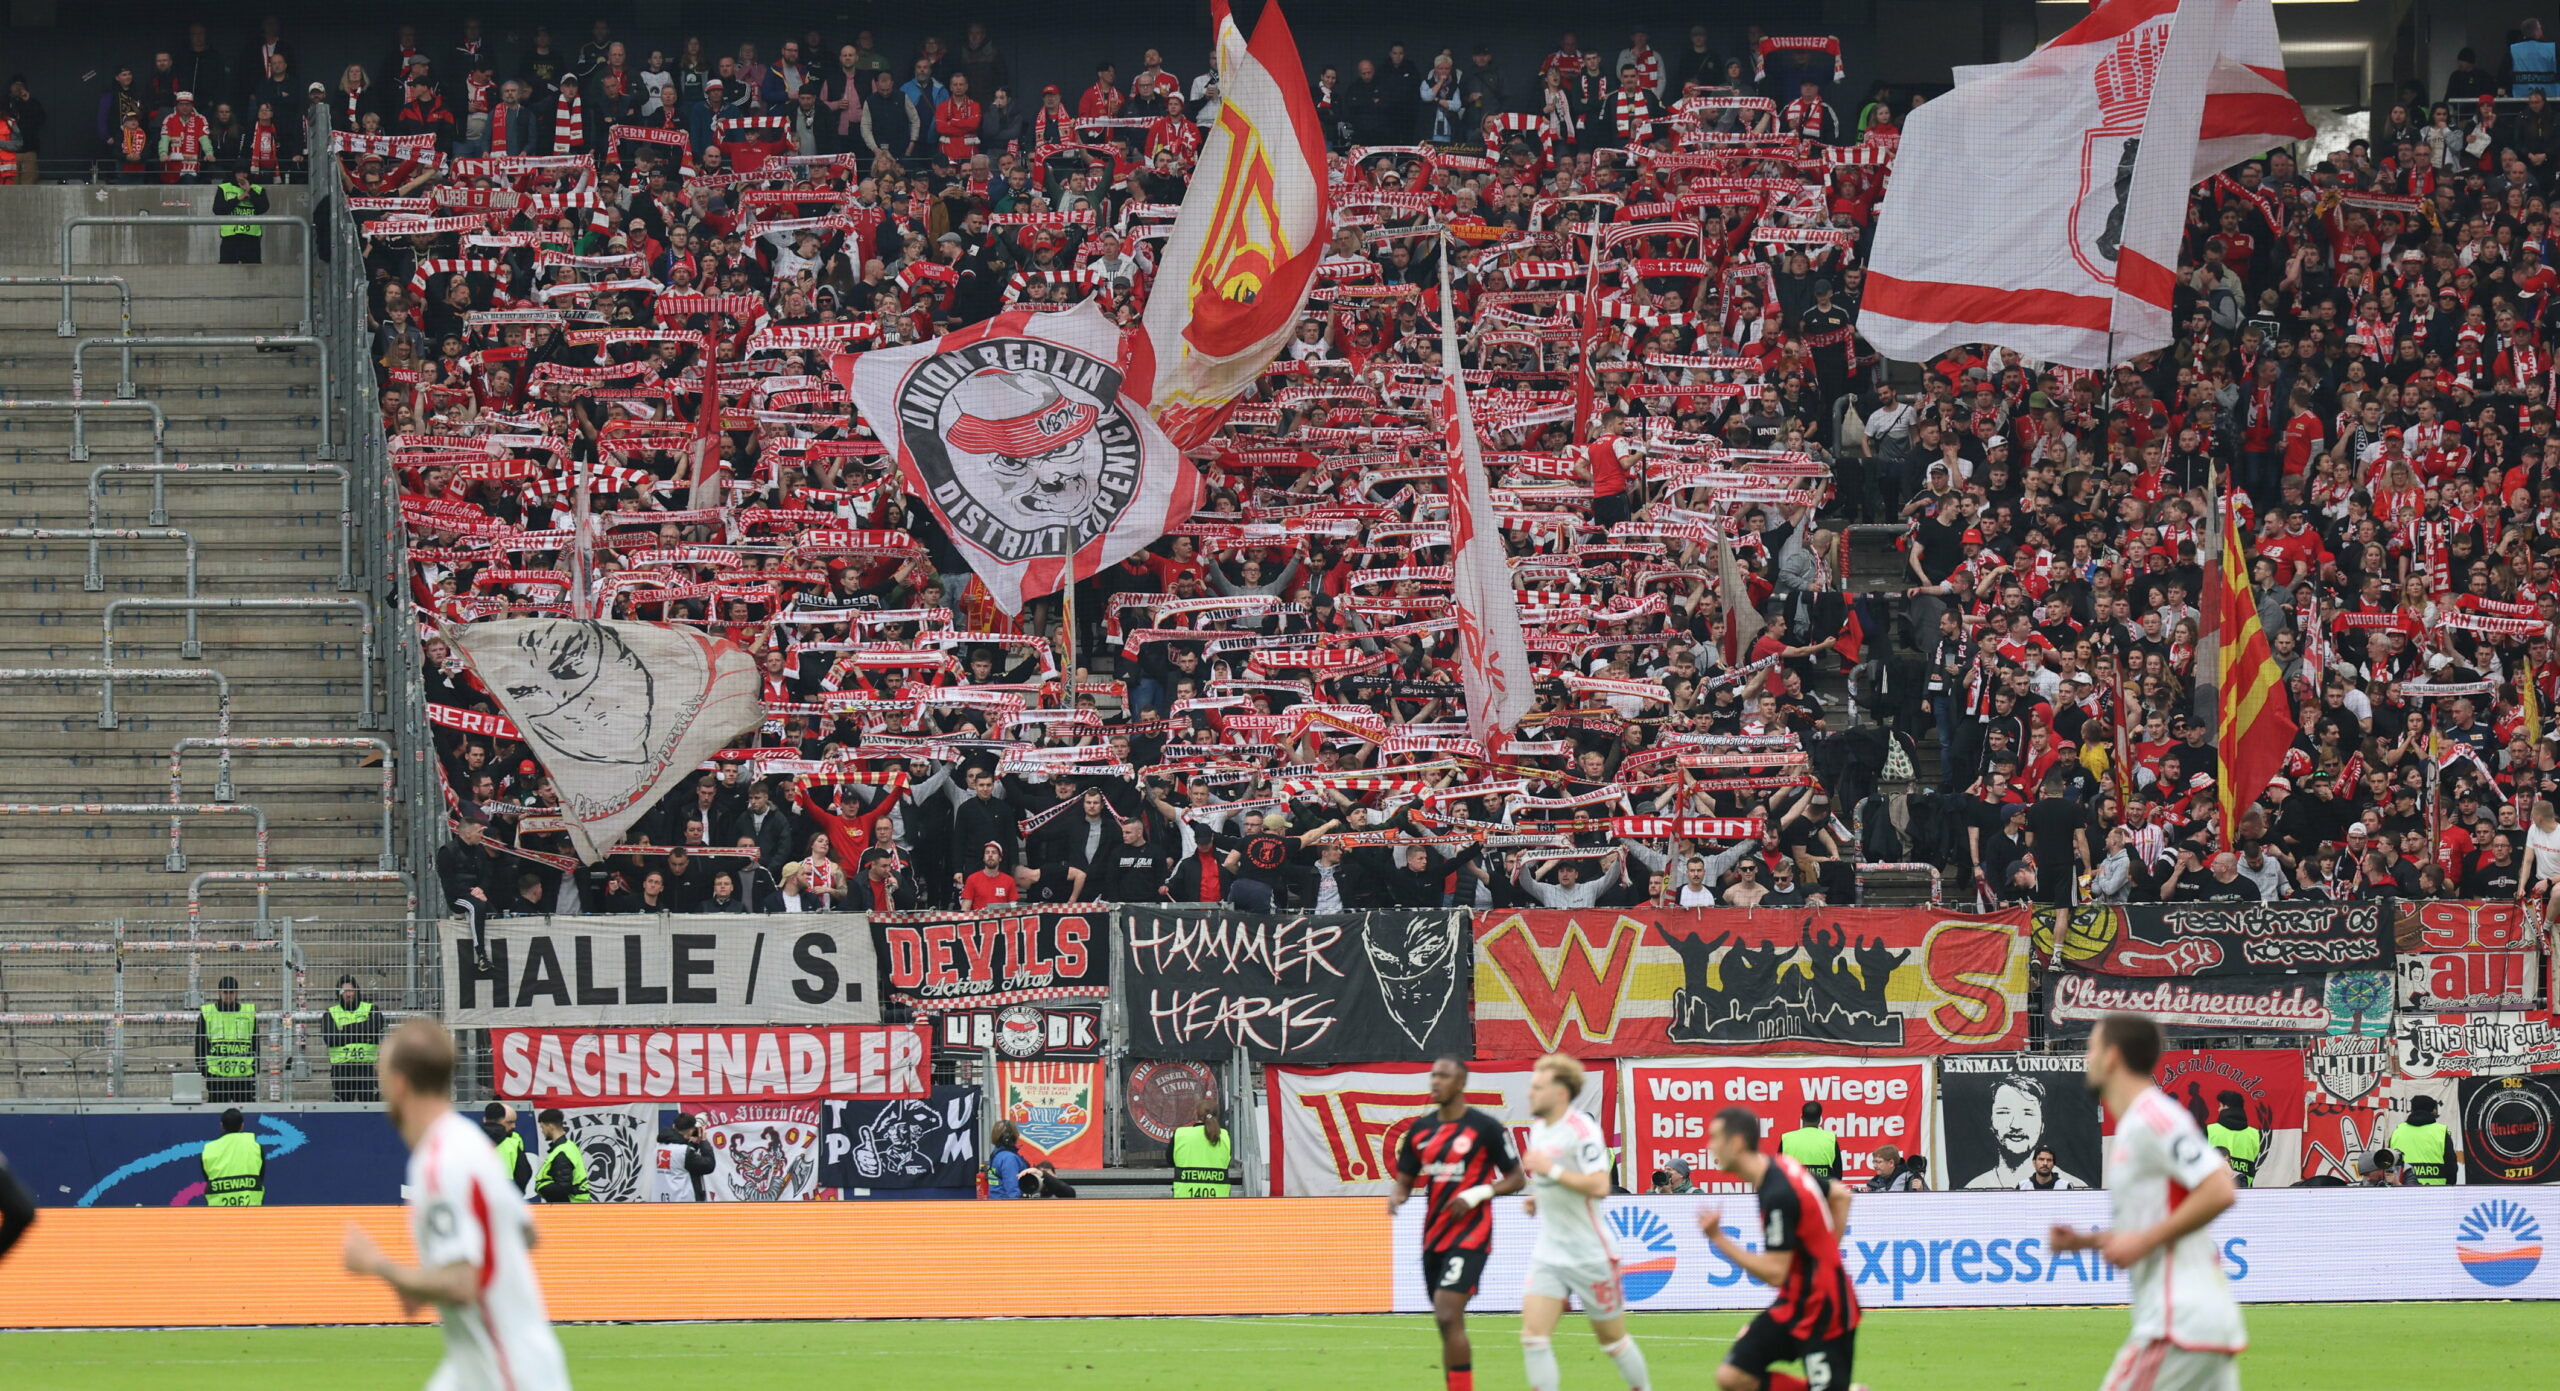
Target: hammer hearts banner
x,y
1378,986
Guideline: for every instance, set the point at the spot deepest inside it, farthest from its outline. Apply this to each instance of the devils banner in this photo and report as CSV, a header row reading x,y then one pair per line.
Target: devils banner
x,y
1646,982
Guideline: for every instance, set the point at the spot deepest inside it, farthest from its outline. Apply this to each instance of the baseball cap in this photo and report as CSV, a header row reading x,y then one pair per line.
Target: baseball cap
x,y
2083,678
186,96
2391,432
2281,781
316,87
707,86
2358,829
1049,91
1996,442
793,868
1972,537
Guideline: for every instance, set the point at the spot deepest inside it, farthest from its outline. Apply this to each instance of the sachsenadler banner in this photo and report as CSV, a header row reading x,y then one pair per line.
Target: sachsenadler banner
x,y
1604,982
605,1067
704,968
1339,1126
988,960
1379,986
1995,1110
2213,939
1865,1101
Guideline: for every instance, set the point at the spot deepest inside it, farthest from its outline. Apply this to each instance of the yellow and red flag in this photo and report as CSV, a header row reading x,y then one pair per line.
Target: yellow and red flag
x,y
2256,724
1242,255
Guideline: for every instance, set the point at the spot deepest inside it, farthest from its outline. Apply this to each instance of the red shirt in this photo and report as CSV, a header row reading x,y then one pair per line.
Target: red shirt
x,y
1099,100
2303,437
1608,477
989,886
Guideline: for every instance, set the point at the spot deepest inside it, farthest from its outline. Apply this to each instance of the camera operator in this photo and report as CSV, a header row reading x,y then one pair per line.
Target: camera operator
x,y
680,1161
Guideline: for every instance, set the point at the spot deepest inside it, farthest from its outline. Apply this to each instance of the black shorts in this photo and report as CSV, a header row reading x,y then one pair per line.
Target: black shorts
x,y
1611,509
1827,1361
1454,1270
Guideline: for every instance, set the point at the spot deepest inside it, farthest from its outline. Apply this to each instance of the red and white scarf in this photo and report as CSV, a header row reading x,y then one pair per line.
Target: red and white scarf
x,y
1822,44
265,149
568,124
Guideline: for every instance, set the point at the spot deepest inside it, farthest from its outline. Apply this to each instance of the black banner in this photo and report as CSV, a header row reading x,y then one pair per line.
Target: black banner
x,y
991,959
2511,1129
1380,986
900,1144
1996,1108
1058,1035
2221,1006
2155,940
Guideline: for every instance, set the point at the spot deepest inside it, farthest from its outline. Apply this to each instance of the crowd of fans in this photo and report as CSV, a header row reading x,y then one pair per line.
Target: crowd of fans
x,y
1264,707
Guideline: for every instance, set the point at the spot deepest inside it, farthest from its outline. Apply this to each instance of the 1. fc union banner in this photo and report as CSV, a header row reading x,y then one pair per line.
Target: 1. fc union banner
x,y
1644,982
1028,436
2158,940
1338,1127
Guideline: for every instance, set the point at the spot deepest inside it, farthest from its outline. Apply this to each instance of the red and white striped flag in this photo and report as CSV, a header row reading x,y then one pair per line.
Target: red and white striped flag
x,y
1493,657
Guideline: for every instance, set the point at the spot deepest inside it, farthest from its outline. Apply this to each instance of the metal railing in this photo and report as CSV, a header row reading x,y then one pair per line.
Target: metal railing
x,y
175,811
66,329
161,471
107,678
80,421
289,744
124,380
1937,882
72,226
362,607
93,581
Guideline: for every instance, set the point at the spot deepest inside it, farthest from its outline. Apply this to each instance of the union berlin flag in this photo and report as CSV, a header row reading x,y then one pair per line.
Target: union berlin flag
x,y
1035,455
2039,205
2256,724
1493,661
1242,255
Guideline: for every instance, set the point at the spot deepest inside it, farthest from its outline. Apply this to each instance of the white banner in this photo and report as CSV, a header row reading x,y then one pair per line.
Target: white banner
x,y
616,1140
1982,1250
707,968
1338,1127
616,712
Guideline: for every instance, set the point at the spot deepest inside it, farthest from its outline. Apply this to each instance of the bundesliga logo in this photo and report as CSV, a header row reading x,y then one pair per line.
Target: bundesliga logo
x,y
1022,443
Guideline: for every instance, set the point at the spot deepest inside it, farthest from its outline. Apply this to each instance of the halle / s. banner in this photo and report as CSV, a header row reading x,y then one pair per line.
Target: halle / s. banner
x,y
704,968
1611,983
1378,986
1995,1110
2154,939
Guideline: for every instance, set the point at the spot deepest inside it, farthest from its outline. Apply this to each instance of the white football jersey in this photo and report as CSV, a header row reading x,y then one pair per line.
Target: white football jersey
x,y
1570,1231
2158,1156
462,1209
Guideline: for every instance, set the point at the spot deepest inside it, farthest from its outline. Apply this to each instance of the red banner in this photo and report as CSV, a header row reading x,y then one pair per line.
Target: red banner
x,y
1057,1110
1612,983
2466,956
603,1067
2268,1085
1865,1102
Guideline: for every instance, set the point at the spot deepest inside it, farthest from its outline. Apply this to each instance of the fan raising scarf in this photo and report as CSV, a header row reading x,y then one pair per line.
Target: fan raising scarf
x,y
568,123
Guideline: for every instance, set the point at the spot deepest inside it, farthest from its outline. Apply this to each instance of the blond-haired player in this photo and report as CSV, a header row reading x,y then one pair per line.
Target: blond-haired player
x,y
1568,1168
473,1236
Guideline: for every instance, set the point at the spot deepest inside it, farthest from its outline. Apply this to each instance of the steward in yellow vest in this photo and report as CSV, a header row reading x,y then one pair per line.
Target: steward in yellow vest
x,y
235,1168
227,1046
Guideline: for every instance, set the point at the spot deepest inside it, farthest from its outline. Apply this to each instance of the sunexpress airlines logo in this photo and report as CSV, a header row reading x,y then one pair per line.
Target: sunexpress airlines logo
x,y
1648,1253
2498,1243
1903,1269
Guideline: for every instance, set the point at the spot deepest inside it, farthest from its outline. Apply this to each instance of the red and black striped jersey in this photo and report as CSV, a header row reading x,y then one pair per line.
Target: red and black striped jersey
x,y
1454,1156
1816,1300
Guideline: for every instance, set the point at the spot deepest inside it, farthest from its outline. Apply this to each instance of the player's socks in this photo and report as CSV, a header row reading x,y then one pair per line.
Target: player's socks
x,y
1630,1360
1539,1354
1783,1381
1462,1378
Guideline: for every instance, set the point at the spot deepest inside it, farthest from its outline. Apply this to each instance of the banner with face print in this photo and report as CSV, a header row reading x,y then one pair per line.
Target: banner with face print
x,y
1029,444
1997,1110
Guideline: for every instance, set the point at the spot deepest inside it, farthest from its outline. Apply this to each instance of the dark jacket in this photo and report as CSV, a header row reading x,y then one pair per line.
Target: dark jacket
x,y
460,869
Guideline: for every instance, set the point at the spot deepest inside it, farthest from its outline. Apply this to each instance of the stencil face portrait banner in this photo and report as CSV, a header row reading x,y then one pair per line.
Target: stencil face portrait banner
x,y
929,1143
1377,986
1994,1109
1339,1126
1031,448
617,712
2160,940
1647,982
2467,956
616,1140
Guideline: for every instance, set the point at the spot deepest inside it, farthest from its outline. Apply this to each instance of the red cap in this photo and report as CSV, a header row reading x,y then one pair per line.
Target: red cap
x,y
2391,432
526,767
1972,537
1049,91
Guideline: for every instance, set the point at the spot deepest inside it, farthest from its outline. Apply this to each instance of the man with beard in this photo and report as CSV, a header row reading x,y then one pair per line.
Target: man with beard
x,y
2017,1134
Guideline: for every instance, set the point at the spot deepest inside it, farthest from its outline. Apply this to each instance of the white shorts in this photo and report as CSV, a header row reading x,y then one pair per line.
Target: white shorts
x,y
2156,1364
1591,1284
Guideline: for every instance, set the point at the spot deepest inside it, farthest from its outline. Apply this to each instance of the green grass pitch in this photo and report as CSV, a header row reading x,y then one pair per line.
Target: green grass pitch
x,y
2352,1347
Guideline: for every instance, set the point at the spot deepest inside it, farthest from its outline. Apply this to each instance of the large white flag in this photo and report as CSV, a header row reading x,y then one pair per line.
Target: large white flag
x,y
1023,436
1493,658
1242,254
2040,204
616,712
